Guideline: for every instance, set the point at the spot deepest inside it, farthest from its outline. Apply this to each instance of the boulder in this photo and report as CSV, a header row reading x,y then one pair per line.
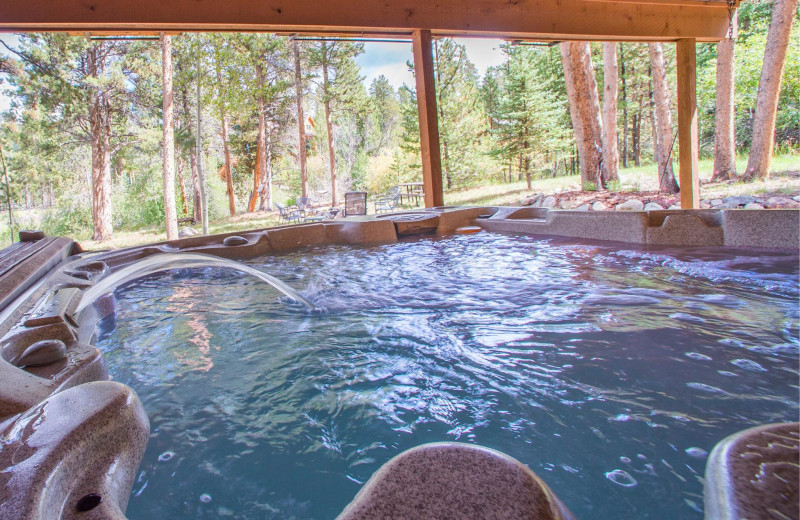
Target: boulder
x,y
582,207
599,206
548,202
738,200
715,202
653,206
530,199
186,232
753,205
630,205
781,202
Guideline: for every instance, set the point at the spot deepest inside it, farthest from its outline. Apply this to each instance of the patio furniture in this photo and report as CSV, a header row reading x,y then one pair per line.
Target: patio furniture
x,y
388,201
413,190
288,214
303,204
355,203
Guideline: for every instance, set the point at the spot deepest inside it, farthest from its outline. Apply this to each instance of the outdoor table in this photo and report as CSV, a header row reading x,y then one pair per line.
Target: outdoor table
x,y
413,190
320,214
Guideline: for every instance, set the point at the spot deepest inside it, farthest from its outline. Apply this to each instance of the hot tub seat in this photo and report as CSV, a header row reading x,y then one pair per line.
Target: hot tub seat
x,y
455,481
755,474
87,440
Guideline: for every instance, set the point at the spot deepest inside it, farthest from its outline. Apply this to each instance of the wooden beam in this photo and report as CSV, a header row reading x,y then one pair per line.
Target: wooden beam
x,y
688,140
428,119
635,20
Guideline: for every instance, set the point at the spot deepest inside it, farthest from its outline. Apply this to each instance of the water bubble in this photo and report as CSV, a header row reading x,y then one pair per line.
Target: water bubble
x,y
721,299
786,348
205,498
697,356
621,478
693,505
167,455
641,457
747,364
697,453
623,417
731,342
621,300
626,460
682,316
726,373
705,388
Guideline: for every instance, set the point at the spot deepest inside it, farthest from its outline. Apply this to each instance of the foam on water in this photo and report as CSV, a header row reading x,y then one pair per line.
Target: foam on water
x,y
533,347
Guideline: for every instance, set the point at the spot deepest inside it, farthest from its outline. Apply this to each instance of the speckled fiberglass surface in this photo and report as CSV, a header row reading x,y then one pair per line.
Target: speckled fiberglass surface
x,y
610,371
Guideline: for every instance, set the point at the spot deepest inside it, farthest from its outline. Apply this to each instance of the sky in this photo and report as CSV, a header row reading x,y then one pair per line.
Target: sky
x,y
388,59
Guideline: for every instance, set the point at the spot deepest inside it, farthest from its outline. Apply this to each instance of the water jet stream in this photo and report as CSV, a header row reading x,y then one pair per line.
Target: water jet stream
x,y
167,261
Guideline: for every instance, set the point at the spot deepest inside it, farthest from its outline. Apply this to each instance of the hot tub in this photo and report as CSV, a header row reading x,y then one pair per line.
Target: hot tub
x,y
610,369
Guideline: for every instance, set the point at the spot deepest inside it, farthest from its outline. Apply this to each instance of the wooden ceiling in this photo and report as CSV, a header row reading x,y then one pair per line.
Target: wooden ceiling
x,y
620,20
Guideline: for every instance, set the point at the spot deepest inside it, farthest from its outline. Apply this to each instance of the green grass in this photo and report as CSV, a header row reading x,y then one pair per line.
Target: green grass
x,y
643,178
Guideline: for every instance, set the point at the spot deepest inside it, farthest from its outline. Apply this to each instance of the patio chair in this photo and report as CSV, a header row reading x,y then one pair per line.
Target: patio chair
x,y
355,203
388,201
303,204
287,214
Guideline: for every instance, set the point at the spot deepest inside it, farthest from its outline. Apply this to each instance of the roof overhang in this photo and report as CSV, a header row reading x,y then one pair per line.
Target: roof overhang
x,y
599,20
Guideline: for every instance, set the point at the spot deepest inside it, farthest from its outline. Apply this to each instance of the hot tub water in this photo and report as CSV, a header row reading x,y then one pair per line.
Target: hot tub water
x,y
610,372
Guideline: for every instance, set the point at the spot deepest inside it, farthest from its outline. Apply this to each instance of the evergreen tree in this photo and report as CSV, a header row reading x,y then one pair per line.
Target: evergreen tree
x,y
527,129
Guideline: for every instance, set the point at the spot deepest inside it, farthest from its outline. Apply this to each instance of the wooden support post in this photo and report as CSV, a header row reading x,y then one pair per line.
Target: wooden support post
x,y
428,119
688,140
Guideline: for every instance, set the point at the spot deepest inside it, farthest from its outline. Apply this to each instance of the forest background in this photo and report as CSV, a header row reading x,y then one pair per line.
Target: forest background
x,y
86,114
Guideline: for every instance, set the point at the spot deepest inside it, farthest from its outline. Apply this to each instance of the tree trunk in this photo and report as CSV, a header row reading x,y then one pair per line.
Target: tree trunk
x,y
724,144
301,120
329,126
199,143
261,157
584,108
624,105
637,160
769,89
228,170
265,189
528,170
182,185
100,127
663,121
196,202
610,97
251,206
170,214
223,116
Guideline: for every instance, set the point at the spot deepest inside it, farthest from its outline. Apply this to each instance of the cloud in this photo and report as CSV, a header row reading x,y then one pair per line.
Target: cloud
x,y
483,52
390,59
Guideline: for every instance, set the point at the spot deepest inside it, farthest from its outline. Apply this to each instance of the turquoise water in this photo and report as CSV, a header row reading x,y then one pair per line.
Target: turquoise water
x,y
610,372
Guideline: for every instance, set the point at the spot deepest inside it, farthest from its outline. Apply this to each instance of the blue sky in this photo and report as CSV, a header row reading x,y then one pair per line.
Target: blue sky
x,y
390,59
